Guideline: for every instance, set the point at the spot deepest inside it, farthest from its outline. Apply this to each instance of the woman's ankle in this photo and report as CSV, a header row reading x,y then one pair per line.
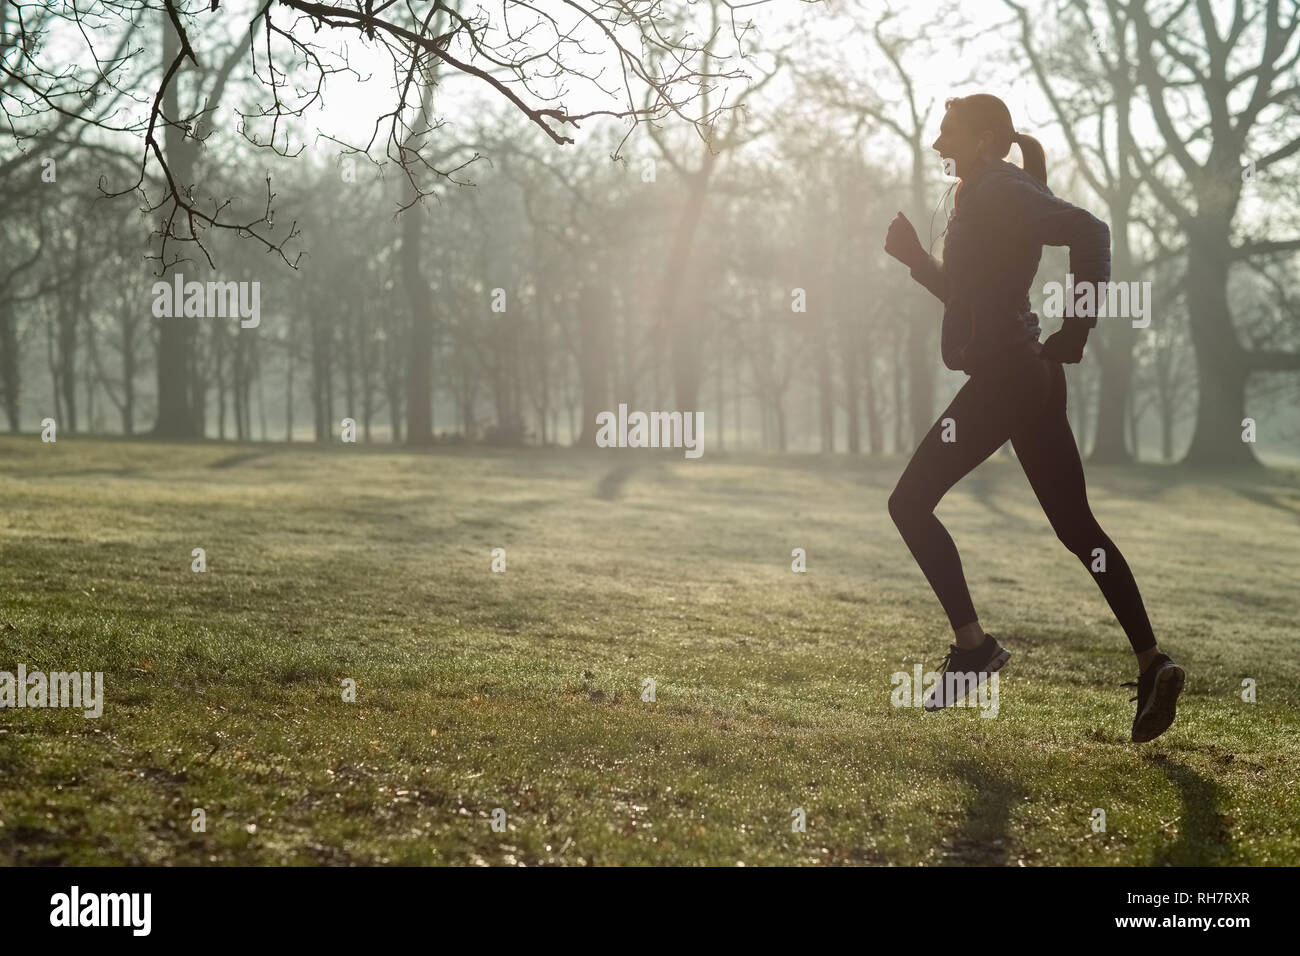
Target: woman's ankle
x,y
969,636
1146,657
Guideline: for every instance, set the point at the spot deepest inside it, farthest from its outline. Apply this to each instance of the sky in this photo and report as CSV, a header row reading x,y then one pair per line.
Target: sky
x,y
352,104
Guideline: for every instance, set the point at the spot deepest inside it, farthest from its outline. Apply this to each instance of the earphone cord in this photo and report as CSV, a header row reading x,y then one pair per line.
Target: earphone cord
x,y
943,200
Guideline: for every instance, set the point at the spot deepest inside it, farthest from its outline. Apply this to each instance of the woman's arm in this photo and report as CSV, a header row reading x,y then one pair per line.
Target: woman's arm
x,y
1051,221
929,272
902,243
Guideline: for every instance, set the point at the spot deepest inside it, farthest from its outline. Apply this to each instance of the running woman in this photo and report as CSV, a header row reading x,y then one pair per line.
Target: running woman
x,y
1002,217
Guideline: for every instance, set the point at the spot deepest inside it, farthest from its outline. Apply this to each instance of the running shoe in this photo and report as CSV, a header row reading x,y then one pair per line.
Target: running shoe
x,y
1158,688
970,669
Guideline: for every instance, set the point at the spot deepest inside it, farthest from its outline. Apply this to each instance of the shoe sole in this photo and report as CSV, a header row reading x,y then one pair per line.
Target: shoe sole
x,y
1162,708
995,664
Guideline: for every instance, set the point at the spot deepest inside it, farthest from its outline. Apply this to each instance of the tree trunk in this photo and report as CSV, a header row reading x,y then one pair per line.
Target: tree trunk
x,y
1167,433
852,395
683,330
720,398
875,431
826,391
176,413
221,373
288,381
261,388
419,297
593,360
128,326
1116,354
739,400
68,358
1220,360
900,416
9,363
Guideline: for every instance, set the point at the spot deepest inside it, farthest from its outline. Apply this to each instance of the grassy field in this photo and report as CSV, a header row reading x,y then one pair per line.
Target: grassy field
x,y
522,690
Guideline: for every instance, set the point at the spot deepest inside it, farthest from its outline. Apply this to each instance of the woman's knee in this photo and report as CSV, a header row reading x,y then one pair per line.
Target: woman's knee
x,y
905,505
1080,534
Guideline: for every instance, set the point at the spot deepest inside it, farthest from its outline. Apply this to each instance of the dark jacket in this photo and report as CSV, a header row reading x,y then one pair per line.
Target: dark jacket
x,y
996,233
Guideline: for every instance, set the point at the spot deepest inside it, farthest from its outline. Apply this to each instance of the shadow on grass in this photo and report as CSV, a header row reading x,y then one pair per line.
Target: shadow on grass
x,y
1203,836
610,488
1262,497
124,472
981,485
982,839
231,461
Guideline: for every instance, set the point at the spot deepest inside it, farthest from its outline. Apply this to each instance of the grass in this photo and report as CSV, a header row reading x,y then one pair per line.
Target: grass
x,y
522,690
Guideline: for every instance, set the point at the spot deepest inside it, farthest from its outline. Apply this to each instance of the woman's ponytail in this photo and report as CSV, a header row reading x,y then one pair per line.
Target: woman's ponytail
x,y
1035,159
984,111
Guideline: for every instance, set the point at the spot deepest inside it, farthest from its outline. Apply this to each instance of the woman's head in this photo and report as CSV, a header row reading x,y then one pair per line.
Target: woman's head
x,y
977,129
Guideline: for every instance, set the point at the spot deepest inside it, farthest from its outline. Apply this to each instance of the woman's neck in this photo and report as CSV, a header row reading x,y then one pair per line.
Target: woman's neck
x,y
982,166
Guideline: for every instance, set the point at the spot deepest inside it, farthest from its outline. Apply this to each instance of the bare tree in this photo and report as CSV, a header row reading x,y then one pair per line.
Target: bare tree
x,y
22,245
526,56
1222,88
721,130
1092,91
891,102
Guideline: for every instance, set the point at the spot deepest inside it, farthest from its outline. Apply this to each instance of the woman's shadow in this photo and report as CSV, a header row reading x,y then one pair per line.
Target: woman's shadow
x,y
982,840
1203,835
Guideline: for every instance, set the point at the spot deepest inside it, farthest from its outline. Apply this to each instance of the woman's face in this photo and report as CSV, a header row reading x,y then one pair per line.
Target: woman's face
x,y
966,149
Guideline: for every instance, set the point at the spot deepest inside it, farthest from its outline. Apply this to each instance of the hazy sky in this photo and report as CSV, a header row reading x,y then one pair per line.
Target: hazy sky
x,y
834,33
351,105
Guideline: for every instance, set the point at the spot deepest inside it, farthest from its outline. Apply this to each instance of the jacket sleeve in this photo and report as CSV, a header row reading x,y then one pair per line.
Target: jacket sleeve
x,y
930,274
1051,221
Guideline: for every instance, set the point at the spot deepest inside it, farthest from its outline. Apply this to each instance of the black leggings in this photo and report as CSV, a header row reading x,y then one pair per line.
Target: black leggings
x,y
1020,397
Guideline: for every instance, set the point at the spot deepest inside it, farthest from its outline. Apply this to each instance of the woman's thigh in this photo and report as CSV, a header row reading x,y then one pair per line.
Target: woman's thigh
x,y
1050,456
982,416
